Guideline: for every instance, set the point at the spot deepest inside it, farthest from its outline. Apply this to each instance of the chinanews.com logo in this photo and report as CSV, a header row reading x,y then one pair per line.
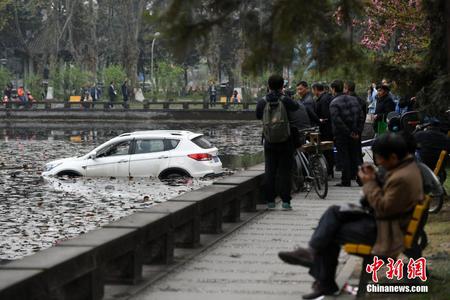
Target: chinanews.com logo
x,y
416,269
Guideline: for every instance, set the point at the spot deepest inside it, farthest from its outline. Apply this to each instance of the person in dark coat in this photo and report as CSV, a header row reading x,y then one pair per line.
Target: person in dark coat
x,y
323,113
278,156
347,123
112,94
306,98
125,93
349,89
385,104
8,91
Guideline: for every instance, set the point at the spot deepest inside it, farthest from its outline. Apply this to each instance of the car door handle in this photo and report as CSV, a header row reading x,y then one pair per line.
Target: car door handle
x,y
161,157
122,161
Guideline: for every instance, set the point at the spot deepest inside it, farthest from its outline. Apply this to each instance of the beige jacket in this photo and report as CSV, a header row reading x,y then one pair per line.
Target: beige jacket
x,y
393,204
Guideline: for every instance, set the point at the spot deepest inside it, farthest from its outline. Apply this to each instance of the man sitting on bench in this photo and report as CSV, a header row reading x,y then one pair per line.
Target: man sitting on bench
x,y
381,221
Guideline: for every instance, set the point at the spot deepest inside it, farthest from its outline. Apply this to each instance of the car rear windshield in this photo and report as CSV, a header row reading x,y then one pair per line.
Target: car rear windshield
x,y
202,142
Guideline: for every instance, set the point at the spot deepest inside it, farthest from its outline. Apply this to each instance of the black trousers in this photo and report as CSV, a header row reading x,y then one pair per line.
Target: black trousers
x,y
279,159
349,156
334,229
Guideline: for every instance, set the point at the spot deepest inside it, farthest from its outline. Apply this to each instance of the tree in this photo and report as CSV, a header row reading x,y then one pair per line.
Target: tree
x,y
399,30
270,31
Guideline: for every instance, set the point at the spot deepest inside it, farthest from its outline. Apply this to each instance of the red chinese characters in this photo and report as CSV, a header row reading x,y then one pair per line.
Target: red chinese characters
x,y
395,269
416,268
374,267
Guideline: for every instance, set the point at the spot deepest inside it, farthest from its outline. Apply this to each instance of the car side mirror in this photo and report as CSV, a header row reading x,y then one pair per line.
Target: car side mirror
x,y
93,155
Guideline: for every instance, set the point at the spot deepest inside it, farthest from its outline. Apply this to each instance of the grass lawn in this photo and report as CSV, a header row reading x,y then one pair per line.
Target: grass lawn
x,y
438,251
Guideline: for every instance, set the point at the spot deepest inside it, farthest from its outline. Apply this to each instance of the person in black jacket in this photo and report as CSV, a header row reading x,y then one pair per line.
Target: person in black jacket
x,y
385,104
278,156
349,89
306,98
125,93
112,94
323,113
347,123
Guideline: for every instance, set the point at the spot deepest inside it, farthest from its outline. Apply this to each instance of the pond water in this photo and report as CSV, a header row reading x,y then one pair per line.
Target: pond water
x,y
36,212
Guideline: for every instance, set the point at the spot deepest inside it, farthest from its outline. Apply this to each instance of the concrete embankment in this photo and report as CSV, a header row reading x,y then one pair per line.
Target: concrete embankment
x,y
124,115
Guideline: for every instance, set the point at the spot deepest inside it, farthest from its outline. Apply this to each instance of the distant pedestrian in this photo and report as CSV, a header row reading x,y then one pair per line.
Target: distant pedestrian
x,y
8,91
112,94
323,113
347,123
385,104
212,91
125,93
236,98
349,89
306,98
371,98
21,95
273,110
95,94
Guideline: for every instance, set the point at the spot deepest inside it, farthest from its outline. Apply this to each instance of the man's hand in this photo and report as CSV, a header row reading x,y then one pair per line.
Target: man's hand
x,y
354,136
366,173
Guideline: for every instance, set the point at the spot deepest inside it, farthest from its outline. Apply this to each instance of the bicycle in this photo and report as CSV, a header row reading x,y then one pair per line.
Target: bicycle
x,y
310,165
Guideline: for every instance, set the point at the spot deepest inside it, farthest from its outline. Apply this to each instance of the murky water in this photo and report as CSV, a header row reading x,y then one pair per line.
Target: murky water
x,y
36,213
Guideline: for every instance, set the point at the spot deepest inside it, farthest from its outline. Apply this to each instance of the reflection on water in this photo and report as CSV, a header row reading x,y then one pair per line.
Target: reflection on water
x,y
242,161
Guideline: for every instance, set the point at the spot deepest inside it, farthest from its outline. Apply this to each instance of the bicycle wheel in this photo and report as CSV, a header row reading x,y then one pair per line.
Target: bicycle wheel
x,y
297,174
436,203
318,167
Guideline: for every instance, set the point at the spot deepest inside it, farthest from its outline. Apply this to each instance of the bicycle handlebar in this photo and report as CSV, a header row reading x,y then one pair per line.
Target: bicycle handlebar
x,y
309,130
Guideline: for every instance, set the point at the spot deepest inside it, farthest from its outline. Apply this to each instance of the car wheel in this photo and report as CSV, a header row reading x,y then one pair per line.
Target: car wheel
x,y
175,174
68,173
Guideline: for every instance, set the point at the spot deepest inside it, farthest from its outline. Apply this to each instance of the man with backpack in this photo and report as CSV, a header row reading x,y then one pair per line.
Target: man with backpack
x,y
274,110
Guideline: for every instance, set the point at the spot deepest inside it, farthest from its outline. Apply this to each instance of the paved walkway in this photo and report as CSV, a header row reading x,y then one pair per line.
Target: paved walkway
x,y
244,265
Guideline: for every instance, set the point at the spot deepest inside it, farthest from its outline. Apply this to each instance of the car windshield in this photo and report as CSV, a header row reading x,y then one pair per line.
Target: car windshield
x,y
202,142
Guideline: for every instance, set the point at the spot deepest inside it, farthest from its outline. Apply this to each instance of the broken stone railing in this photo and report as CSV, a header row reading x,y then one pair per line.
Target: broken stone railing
x,y
115,254
146,105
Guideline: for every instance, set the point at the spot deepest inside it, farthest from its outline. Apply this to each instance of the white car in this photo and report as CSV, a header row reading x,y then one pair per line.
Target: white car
x,y
155,153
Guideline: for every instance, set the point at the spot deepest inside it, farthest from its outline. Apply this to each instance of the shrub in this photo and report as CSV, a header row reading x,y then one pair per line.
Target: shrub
x,y
114,73
68,81
5,77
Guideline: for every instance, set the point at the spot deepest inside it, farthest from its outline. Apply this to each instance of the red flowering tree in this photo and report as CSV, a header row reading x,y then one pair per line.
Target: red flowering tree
x,y
397,30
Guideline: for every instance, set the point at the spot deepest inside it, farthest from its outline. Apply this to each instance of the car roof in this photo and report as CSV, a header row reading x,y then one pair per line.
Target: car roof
x,y
162,133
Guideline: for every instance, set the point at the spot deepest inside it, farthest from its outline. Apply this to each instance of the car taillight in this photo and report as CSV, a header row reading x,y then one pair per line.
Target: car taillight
x,y
200,156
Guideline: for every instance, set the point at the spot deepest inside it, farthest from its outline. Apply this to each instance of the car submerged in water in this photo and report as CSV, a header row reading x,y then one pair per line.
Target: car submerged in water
x,y
156,153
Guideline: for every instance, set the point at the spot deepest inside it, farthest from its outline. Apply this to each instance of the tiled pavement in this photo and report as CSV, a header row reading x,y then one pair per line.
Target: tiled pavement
x,y
244,264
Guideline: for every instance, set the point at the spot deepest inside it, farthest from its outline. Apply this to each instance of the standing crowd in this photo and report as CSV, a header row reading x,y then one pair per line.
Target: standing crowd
x,y
390,192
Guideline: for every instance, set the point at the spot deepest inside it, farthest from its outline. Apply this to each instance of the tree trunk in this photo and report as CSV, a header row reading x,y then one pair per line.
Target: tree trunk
x,y
131,11
92,61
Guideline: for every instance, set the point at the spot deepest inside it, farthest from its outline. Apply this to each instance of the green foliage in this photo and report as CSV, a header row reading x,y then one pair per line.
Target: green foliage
x,y
170,77
68,81
33,83
4,15
114,73
434,99
5,77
